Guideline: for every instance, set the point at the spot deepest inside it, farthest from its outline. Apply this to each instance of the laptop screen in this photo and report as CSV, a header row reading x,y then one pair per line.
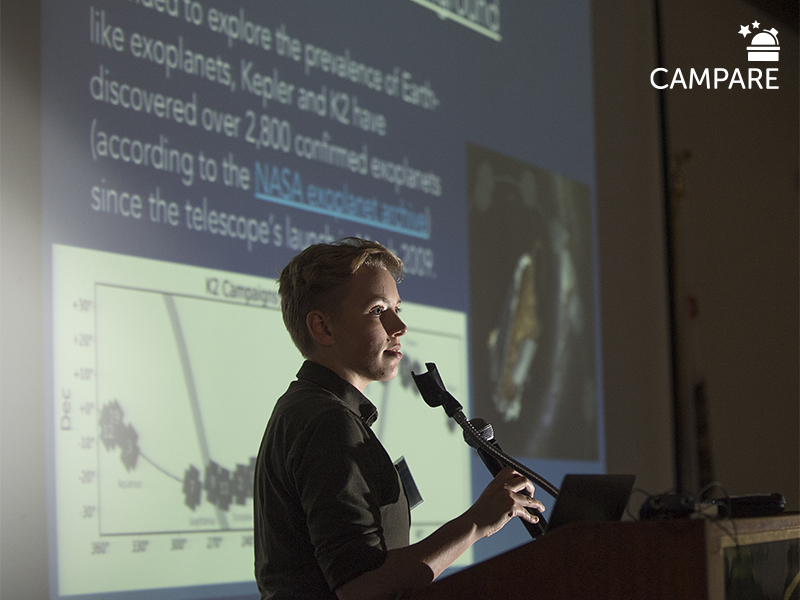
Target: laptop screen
x,y
591,498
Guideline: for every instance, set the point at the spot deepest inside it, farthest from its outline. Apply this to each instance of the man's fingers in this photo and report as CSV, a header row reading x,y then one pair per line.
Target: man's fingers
x,y
522,490
520,485
531,503
525,489
523,513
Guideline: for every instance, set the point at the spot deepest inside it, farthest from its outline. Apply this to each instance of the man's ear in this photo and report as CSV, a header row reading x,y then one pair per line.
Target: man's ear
x,y
317,323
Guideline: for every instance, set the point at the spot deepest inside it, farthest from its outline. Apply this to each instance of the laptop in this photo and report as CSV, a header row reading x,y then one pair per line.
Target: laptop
x,y
590,499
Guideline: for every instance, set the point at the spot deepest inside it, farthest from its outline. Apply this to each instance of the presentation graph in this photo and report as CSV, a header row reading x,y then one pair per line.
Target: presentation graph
x,y
165,425
164,378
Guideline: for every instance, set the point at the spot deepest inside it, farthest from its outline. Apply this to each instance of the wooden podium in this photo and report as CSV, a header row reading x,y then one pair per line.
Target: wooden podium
x,y
681,559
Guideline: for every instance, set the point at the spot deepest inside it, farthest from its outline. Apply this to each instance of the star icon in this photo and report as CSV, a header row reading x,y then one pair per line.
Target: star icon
x,y
745,30
756,24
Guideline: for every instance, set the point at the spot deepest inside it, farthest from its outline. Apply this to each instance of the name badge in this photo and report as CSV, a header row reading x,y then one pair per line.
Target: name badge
x,y
412,493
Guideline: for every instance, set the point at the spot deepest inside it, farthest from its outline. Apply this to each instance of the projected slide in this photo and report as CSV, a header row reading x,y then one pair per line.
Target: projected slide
x,y
166,376
534,350
191,148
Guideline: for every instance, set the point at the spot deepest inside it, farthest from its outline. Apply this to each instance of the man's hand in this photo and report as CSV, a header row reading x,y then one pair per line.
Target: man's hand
x,y
507,496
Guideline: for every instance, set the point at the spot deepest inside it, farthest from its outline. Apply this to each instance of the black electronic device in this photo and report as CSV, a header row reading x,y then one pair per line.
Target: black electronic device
x,y
667,506
755,505
591,499
681,506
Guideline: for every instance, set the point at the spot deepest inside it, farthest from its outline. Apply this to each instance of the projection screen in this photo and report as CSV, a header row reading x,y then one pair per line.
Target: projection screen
x,y
190,148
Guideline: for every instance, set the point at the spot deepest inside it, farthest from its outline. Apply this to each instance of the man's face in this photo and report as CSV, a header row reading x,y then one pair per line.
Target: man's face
x,y
367,328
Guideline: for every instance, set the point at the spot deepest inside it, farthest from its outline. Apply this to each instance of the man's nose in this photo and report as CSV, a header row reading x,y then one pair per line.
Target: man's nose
x,y
394,325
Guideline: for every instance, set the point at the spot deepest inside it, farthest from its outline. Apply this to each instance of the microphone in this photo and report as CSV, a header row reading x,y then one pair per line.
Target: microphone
x,y
431,388
486,432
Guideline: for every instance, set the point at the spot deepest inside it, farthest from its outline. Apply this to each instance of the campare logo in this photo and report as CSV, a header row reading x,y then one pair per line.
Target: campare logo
x,y
762,46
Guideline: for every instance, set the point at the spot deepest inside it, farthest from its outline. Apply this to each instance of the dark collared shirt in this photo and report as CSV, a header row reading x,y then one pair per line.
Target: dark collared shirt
x,y
328,501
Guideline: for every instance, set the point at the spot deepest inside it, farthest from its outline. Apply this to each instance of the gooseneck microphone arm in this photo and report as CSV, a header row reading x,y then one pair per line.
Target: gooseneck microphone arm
x,y
494,466
432,389
495,452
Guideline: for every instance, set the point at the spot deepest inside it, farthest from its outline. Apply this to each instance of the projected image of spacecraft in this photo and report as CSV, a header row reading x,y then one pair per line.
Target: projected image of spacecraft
x,y
512,344
532,326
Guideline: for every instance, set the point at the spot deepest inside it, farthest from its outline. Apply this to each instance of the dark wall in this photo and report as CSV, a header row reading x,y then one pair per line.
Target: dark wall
x,y
736,231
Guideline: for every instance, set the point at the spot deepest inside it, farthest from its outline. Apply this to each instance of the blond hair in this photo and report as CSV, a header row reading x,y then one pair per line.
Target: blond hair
x,y
315,278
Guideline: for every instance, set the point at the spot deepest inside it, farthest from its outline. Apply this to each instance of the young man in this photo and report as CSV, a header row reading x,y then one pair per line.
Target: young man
x,y
331,516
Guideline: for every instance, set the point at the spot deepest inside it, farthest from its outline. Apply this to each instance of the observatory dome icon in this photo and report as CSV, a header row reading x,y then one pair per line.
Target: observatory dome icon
x,y
764,46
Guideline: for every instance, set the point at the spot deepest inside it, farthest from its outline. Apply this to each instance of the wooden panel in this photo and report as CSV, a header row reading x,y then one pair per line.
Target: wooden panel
x,y
743,532
654,560
679,559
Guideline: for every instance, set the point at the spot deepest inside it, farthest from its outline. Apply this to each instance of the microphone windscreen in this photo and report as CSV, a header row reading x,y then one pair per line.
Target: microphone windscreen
x,y
485,430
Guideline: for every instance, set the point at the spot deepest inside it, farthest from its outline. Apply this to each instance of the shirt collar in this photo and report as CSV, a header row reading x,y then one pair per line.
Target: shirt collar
x,y
346,392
